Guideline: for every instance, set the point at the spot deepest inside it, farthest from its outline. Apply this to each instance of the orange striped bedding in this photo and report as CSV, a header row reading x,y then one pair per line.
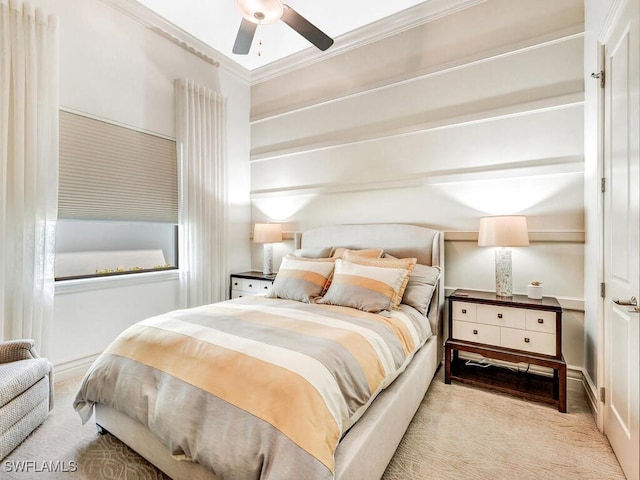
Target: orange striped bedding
x,y
253,388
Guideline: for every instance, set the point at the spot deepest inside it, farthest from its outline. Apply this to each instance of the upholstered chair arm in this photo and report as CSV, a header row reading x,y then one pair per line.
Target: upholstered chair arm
x,y
14,350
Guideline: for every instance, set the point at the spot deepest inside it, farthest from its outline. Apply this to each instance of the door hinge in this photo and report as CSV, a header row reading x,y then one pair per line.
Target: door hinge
x,y
602,290
603,183
603,396
601,75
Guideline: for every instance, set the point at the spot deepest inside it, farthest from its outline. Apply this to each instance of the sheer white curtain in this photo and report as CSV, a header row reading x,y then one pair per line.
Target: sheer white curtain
x,y
201,143
28,170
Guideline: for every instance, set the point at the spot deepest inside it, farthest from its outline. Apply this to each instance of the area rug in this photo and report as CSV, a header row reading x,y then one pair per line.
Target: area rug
x,y
459,432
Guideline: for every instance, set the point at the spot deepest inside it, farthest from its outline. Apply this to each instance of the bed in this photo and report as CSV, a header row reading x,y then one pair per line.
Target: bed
x,y
366,436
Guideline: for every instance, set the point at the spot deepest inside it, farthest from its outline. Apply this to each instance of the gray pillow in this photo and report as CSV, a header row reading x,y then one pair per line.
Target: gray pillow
x,y
313,252
420,287
422,283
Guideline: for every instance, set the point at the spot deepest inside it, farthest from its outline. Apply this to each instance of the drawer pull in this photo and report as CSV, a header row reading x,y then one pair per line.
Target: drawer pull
x,y
526,340
499,315
475,332
251,285
464,310
266,287
541,320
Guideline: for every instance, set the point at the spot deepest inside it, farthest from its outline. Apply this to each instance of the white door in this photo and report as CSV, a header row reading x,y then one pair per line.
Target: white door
x,y
622,235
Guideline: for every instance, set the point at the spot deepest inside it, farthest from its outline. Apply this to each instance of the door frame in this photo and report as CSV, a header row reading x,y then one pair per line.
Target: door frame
x,y
601,345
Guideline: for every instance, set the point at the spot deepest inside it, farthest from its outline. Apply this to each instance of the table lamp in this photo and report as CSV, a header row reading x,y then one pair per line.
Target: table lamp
x,y
267,234
503,231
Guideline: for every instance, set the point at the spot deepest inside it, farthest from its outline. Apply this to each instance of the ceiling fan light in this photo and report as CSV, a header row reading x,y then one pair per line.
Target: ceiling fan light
x,y
261,12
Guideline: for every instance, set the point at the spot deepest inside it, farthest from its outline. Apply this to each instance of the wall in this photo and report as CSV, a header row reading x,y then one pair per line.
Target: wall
x,y
114,68
475,113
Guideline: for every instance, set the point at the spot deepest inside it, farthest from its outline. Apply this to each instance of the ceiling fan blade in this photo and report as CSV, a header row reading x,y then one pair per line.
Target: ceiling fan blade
x,y
306,28
245,37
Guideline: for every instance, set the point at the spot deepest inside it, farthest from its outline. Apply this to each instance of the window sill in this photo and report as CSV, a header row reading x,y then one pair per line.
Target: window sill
x,y
63,287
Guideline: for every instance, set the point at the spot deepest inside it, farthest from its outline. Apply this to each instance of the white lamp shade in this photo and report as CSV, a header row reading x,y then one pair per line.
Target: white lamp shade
x,y
503,231
267,233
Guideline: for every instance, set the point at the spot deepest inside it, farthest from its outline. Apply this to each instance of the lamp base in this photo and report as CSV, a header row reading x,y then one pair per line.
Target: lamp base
x,y
267,259
503,272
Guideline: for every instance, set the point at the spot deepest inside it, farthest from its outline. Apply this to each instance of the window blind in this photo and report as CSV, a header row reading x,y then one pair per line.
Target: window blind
x,y
110,172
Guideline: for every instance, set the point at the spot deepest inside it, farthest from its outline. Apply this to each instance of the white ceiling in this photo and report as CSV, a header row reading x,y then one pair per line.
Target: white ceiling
x,y
216,22
208,28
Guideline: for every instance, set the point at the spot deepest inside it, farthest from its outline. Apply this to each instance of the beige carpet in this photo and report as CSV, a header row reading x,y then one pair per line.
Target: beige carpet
x,y
458,433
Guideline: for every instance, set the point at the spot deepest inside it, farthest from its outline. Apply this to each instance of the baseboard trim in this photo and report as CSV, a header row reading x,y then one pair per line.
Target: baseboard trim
x,y
73,368
574,373
591,394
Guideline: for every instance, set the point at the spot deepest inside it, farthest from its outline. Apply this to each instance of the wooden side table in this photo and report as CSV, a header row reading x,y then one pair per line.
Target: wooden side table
x,y
513,329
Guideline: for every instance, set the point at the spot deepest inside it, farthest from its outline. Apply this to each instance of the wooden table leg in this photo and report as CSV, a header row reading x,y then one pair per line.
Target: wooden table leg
x,y
562,388
447,363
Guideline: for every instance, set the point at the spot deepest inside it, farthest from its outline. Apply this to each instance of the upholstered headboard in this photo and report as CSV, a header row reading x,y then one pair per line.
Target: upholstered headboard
x,y
399,240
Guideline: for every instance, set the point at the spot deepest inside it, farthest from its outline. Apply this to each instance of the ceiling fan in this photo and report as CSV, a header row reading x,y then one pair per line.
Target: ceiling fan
x,y
263,12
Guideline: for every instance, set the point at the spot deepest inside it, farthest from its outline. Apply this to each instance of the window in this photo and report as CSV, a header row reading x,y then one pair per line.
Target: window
x,y
117,201
89,248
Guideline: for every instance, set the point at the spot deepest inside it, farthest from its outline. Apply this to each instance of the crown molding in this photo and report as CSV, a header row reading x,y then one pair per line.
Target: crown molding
x,y
159,25
425,12
420,14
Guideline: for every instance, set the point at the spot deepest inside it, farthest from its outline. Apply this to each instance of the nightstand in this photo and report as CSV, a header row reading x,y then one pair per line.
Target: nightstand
x,y
514,329
245,284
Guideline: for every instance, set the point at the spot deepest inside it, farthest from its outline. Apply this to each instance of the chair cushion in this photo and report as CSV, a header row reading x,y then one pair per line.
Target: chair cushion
x,y
24,403
17,377
24,425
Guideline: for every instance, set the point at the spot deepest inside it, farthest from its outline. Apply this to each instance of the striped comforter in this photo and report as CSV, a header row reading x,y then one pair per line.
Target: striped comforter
x,y
253,388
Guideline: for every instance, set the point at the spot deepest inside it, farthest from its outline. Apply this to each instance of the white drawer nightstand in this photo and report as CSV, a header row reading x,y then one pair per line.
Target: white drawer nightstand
x,y
513,329
245,284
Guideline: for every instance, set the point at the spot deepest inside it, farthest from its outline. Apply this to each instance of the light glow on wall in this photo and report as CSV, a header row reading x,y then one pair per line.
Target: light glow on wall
x,y
282,208
507,196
